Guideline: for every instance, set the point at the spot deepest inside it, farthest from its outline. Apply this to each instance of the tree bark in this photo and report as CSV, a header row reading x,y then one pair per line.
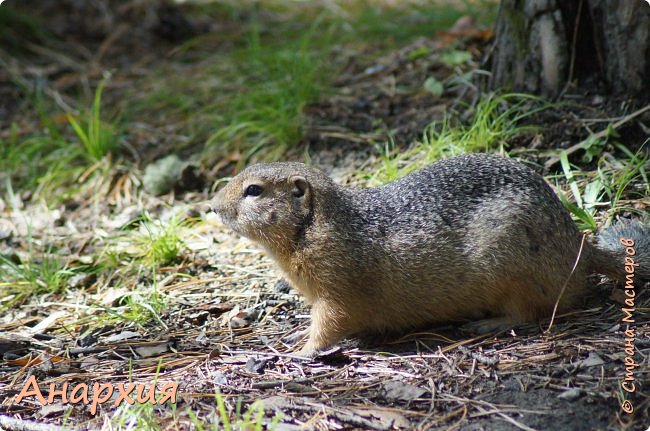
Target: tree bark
x,y
543,45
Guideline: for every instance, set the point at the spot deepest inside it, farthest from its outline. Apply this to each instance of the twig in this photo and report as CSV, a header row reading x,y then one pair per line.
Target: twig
x,y
342,415
553,159
479,357
11,424
566,283
271,384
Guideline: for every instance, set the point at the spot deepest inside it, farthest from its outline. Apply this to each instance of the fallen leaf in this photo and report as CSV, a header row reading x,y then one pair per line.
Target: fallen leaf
x,y
571,394
124,335
54,409
256,365
433,86
396,390
46,323
592,360
151,350
393,418
216,308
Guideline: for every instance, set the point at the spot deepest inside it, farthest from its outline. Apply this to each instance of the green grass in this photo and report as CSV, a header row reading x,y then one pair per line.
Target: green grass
x,y
37,275
159,243
147,417
140,307
584,207
42,161
236,419
49,161
496,119
277,82
24,161
247,102
98,137
143,246
605,187
238,94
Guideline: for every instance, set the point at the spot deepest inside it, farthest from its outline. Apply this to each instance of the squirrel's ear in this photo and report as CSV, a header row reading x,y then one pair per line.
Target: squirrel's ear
x,y
299,186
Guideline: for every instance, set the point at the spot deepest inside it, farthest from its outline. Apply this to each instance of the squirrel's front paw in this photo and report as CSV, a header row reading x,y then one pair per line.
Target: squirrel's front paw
x,y
312,349
307,351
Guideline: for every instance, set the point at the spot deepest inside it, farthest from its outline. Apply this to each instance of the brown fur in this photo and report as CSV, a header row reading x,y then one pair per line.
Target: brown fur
x,y
469,237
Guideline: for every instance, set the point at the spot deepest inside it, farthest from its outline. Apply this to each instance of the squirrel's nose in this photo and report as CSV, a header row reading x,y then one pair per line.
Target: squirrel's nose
x,y
214,206
217,203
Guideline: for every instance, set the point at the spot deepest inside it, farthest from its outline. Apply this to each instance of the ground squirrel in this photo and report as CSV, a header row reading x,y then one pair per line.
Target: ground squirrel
x,y
469,237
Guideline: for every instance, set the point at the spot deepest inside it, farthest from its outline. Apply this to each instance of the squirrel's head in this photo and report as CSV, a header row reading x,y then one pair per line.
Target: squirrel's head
x,y
271,203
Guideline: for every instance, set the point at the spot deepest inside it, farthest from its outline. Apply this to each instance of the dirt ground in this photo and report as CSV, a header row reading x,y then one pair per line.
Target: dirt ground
x,y
228,316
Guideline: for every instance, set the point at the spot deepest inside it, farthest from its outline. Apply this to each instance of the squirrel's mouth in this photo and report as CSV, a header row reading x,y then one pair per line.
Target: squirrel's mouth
x,y
230,222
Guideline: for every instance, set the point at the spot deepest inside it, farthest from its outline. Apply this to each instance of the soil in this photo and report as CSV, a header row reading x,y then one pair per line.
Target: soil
x,y
229,318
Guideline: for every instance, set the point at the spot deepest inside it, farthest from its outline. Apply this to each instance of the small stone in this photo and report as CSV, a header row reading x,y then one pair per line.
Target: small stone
x,y
256,365
6,229
395,390
81,280
282,286
162,175
571,394
592,360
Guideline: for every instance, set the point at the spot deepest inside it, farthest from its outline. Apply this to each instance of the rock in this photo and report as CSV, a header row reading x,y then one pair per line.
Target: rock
x,y
162,175
169,173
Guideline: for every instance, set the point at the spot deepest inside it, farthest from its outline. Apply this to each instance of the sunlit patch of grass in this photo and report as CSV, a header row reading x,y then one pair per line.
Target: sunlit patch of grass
x,y
247,100
496,119
21,279
98,137
159,243
146,416
140,307
232,419
131,260
614,179
276,82
144,241
394,24
133,298
48,163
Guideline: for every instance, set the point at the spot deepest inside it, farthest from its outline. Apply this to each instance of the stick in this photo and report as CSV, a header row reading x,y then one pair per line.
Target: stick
x,y
11,424
566,283
572,149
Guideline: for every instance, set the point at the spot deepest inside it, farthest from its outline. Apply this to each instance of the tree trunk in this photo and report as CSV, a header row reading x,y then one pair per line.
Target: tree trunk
x,y
543,45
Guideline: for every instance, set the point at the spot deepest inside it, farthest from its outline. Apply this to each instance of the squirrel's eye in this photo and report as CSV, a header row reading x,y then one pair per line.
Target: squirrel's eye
x,y
253,190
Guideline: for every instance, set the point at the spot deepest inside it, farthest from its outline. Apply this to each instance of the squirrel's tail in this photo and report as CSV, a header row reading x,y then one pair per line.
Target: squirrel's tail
x,y
623,249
